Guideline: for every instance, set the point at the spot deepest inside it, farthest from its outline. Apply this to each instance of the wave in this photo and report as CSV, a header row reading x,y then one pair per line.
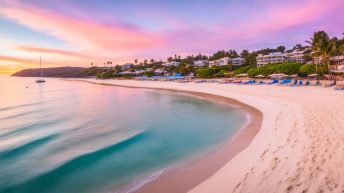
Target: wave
x,y
19,106
139,184
47,181
18,115
26,147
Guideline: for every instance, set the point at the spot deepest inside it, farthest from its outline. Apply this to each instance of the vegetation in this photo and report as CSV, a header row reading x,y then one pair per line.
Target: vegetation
x,y
285,68
63,72
320,45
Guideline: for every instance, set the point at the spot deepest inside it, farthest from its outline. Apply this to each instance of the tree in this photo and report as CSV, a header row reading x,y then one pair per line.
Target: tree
x,y
280,49
298,47
244,53
322,47
136,61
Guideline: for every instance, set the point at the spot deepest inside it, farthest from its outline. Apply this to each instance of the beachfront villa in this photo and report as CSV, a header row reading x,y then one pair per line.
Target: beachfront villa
x,y
221,62
171,63
275,57
159,71
127,66
227,60
201,63
297,56
337,64
237,61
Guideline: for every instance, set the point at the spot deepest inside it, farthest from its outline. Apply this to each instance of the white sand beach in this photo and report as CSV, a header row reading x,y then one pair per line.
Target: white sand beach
x,y
299,147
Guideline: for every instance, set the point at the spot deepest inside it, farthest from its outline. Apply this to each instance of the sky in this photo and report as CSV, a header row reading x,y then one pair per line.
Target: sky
x,y
81,32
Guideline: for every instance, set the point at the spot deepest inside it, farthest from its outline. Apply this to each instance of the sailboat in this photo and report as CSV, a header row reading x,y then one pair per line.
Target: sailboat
x,y
41,79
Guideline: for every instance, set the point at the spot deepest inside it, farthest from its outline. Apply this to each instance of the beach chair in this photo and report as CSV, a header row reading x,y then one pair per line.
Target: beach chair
x,y
339,87
273,82
300,83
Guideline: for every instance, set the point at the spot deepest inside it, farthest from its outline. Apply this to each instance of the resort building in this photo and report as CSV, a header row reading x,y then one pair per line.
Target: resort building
x,y
212,63
127,66
159,71
237,61
275,57
296,56
171,63
224,61
201,63
221,62
337,64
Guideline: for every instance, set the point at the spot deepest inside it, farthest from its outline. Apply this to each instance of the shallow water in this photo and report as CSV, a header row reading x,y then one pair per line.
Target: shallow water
x,y
64,136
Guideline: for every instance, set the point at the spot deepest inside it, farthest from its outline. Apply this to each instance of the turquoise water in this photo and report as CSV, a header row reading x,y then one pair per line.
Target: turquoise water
x,y
64,136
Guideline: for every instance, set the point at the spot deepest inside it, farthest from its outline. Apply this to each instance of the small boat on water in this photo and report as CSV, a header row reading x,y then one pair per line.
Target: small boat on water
x,y
41,79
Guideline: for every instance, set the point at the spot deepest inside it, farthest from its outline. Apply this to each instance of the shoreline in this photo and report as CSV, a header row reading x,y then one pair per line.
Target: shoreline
x,y
203,167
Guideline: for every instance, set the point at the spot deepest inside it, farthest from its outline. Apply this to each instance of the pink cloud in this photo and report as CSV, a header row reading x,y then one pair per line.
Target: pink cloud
x,y
51,51
80,33
238,26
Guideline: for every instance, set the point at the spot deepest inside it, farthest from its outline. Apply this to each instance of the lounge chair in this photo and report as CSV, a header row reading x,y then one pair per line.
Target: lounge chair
x,y
329,84
273,82
300,83
339,87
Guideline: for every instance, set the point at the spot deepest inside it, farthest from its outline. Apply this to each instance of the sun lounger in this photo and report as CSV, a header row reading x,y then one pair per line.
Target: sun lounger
x,y
273,82
339,87
329,84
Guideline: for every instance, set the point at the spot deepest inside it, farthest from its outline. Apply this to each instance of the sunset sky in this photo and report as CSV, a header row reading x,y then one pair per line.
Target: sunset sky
x,y
78,32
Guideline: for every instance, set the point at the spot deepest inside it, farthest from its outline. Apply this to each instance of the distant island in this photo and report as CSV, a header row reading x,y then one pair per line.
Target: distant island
x,y
62,72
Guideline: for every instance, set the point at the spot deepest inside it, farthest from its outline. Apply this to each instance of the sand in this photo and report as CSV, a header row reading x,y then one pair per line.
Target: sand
x,y
299,147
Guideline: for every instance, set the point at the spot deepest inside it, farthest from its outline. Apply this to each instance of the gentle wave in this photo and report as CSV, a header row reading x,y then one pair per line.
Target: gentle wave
x,y
46,181
139,184
26,147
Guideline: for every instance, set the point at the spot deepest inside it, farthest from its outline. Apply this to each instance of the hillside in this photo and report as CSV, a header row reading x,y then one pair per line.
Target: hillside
x,y
64,72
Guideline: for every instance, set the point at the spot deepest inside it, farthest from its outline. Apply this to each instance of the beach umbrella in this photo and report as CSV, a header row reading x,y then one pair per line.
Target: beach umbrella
x,y
260,76
312,75
272,75
294,76
242,75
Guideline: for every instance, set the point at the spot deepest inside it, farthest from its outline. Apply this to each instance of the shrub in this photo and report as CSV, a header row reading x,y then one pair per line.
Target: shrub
x,y
307,69
204,73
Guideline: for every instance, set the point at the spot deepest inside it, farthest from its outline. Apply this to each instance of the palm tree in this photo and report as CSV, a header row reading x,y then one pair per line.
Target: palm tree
x,y
136,61
322,47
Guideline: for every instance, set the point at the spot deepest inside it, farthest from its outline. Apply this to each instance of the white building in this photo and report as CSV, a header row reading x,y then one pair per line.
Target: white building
x,y
237,61
297,56
200,63
276,57
337,64
159,71
221,62
213,63
172,63
224,61
127,66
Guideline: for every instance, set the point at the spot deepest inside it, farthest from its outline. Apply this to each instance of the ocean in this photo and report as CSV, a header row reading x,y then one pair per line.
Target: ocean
x,y
69,136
